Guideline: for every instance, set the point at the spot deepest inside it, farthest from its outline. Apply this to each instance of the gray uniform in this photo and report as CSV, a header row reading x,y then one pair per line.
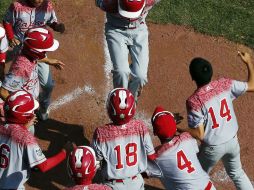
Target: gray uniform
x,y
23,17
19,152
212,106
90,187
126,36
124,150
3,44
180,165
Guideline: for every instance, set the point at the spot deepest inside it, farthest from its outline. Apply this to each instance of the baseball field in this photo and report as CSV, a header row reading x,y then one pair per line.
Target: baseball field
x,y
78,105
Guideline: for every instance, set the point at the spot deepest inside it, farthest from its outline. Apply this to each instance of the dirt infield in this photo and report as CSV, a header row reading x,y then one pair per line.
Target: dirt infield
x,y
78,105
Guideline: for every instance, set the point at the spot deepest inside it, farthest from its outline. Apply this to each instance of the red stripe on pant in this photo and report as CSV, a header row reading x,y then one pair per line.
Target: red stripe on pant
x,y
209,186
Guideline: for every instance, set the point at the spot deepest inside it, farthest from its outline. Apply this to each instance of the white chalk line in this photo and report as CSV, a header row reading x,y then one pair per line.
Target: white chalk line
x,y
71,96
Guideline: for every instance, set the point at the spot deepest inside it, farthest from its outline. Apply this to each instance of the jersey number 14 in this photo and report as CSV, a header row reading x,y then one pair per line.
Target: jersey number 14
x,y
224,113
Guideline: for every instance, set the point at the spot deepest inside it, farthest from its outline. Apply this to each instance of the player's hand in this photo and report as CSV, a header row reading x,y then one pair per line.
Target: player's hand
x,y
60,27
69,147
2,118
14,42
33,121
178,118
56,63
246,58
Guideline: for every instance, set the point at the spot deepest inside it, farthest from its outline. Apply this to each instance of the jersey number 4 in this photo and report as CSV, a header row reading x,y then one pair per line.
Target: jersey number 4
x,y
224,113
183,162
130,155
4,151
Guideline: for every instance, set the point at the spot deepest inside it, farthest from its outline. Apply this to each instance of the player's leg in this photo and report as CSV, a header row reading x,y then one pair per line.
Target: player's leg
x,y
209,155
47,85
139,52
118,50
233,166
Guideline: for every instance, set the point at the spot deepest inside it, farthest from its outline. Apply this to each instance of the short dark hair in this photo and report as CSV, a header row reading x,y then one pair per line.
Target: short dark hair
x,y
201,71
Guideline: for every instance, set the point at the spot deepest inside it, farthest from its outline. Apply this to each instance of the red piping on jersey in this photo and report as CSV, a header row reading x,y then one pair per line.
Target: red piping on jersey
x,y
52,161
174,142
209,186
152,156
203,94
9,30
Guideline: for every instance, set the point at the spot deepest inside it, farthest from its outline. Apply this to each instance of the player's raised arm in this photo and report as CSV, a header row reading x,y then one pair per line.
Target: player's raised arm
x,y
246,58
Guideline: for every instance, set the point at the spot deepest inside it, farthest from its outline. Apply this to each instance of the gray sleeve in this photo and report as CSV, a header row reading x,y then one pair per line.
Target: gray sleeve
x,y
52,17
148,144
35,155
195,119
238,88
12,82
95,145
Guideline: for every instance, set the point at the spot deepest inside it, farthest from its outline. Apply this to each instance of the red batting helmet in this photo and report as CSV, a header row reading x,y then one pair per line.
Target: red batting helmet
x,y
82,165
19,107
164,125
121,106
38,41
131,8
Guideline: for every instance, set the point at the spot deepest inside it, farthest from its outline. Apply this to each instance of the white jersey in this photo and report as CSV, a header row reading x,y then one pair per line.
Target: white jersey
x,y
212,106
123,148
90,187
19,152
3,44
23,17
180,166
23,74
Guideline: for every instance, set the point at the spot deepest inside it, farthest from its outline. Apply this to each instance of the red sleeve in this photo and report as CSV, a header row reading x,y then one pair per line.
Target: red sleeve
x,y
9,30
2,58
52,161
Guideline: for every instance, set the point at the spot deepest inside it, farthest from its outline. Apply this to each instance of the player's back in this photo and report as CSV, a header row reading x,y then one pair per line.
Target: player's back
x,y
179,164
124,149
13,169
212,105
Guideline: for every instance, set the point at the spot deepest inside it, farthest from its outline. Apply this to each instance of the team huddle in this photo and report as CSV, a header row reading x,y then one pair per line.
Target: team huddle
x,y
122,150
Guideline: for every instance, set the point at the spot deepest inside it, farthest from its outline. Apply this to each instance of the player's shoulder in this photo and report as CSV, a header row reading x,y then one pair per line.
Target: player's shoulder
x,y
19,5
18,134
174,143
111,132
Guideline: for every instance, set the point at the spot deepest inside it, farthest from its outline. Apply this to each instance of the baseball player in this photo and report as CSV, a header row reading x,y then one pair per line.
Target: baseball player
x,y
3,49
21,16
124,145
126,32
23,73
82,166
177,155
212,119
19,150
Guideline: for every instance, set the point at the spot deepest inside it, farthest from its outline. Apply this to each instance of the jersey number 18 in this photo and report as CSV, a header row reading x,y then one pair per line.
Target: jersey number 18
x,y
130,152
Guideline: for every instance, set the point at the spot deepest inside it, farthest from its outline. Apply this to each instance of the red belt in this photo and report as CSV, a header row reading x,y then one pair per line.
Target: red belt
x,y
121,180
209,186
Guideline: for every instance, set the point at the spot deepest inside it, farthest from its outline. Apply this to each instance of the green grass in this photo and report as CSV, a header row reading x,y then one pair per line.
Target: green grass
x,y
232,19
4,4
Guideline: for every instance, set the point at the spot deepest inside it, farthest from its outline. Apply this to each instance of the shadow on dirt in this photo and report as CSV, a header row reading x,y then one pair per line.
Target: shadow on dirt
x,y
55,133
